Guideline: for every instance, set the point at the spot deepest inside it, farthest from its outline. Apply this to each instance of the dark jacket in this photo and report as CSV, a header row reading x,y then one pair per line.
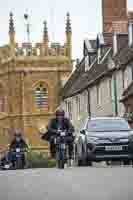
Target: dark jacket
x,y
53,126
21,144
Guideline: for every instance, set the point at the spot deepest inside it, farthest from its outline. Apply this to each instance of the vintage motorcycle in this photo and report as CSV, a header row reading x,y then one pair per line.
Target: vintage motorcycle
x,y
61,141
19,157
5,163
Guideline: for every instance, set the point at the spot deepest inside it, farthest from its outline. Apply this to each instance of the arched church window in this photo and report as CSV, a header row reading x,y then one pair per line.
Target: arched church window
x,y
41,96
38,52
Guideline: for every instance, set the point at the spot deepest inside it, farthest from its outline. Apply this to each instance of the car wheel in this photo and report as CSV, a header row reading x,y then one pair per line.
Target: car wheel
x,y
108,163
90,164
78,156
126,162
87,163
79,163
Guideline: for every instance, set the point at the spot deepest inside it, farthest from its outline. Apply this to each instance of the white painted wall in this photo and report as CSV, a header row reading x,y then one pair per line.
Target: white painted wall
x,y
104,108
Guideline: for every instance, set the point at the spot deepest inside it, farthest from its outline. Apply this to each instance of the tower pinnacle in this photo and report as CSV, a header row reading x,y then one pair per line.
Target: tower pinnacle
x,y
68,23
45,32
11,24
68,37
45,39
12,42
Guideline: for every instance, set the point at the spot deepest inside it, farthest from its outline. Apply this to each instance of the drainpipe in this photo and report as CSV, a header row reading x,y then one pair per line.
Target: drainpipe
x,y
115,95
88,105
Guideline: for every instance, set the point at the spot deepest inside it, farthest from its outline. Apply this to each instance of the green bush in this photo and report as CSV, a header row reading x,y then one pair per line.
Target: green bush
x,y
39,160
51,163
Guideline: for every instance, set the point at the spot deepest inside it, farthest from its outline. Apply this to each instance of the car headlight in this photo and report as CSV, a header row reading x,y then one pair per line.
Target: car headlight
x,y
92,139
130,138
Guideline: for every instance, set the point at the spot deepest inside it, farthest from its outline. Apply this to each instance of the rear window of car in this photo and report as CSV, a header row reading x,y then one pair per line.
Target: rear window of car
x,y
107,125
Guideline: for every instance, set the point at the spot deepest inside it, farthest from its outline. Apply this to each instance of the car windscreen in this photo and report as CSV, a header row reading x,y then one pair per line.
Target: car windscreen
x,y
107,125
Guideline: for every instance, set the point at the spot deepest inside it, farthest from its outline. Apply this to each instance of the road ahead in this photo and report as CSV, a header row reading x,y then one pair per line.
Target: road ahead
x,y
70,184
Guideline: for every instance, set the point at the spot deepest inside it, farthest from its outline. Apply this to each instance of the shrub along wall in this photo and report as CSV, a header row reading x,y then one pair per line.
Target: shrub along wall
x,y
39,160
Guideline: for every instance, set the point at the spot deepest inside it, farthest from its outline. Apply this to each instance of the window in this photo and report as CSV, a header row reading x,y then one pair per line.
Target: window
x,y
78,105
110,87
41,96
70,110
98,94
2,104
38,52
123,79
66,106
2,99
132,72
107,125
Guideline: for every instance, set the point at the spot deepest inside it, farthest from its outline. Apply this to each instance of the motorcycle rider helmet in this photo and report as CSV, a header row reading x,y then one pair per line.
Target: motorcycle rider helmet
x,y
60,113
17,133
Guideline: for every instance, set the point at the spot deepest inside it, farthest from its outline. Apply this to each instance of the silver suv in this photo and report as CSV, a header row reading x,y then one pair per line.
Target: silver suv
x,y
104,139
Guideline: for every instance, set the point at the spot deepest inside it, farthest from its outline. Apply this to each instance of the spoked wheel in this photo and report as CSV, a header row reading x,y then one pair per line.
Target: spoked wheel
x,y
87,163
81,162
19,164
126,162
61,164
60,159
78,161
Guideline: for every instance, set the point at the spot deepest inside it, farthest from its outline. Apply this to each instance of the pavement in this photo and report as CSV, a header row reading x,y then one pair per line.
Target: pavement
x,y
85,183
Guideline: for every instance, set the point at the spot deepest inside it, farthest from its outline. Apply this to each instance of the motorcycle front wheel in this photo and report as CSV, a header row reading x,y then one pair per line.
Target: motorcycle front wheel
x,y
60,158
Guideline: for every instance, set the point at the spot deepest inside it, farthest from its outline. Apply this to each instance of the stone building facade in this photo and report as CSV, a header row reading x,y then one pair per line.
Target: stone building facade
x,y
30,80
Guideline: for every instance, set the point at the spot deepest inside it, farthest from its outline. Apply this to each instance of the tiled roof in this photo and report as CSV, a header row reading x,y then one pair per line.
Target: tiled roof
x,y
125,53
124,56
80,68
83,80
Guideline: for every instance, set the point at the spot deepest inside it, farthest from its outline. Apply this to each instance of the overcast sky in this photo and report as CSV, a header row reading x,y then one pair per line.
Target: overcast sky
x,y
85,17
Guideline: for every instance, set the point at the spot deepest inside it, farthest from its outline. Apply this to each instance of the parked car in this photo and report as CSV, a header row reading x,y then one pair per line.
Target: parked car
x,y
104,139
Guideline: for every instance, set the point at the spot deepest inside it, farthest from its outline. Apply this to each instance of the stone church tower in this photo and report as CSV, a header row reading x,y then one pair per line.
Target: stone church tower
x,y
30,81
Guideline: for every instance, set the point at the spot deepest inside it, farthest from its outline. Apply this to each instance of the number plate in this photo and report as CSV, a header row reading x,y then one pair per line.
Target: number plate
x,y
18,150
113,148
62,134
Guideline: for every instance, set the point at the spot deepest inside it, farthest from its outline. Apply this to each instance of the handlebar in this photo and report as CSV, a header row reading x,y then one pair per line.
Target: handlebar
x,y
21,150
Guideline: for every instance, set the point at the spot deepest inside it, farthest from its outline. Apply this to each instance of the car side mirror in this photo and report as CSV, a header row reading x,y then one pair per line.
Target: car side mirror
x,y
82,132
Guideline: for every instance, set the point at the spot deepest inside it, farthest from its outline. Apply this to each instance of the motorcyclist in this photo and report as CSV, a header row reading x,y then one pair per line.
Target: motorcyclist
x,y
63,123
17,142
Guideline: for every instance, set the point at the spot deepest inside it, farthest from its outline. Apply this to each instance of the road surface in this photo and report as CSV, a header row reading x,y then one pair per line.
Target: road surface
x,y
97,183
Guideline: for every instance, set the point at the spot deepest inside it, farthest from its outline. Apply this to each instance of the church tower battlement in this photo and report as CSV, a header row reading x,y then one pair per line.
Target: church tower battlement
x,y
43,48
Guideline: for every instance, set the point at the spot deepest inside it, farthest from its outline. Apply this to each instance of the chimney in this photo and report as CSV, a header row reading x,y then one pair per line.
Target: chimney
x,y
115,45
130,33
